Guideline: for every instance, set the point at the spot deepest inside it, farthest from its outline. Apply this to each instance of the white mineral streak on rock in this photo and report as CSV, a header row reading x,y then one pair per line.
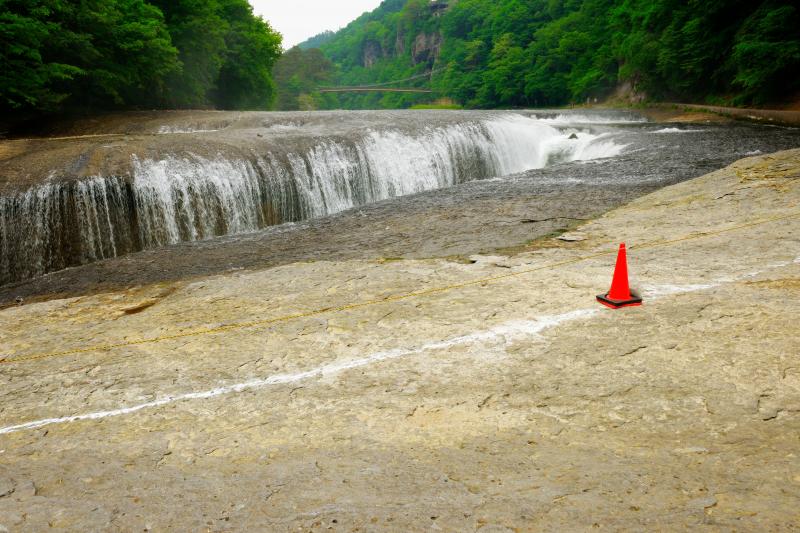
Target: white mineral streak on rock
x,y
504,332
659,291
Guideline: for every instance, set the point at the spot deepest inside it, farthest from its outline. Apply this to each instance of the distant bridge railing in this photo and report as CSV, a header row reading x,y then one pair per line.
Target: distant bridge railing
x,y
371,90
384,87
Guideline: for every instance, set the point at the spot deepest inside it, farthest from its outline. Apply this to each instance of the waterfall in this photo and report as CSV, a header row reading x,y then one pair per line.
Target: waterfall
x,y
55,225
187,196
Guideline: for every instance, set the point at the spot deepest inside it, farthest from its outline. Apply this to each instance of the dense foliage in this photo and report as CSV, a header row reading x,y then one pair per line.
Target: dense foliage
x,y
317,40
99,54
553,52
298,75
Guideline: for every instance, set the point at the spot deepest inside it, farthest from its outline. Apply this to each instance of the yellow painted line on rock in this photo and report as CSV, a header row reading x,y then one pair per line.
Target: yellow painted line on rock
x,y
395,298
71,137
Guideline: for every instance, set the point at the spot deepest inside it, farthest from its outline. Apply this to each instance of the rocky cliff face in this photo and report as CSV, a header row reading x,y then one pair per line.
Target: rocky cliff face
x,y
628,92
426,48
372,53
400,44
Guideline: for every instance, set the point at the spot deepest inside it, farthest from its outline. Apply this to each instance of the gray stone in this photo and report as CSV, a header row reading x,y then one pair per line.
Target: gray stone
x,y
572,237
703,503
494,528
25,489
6,487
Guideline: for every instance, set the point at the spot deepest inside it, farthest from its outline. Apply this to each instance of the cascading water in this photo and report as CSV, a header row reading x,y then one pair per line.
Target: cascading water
x,y
188,196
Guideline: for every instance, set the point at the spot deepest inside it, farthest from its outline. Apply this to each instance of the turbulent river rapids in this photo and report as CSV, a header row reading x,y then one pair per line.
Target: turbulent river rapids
x,y
163,179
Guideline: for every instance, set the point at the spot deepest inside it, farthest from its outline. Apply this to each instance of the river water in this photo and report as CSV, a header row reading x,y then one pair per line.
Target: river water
x,y
185,178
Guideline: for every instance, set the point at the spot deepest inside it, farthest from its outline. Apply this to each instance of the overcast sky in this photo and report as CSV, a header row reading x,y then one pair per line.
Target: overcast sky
x,y
297,20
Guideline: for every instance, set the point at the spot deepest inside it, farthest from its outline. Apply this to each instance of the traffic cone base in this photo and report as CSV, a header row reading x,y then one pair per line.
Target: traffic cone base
x,y
620,294
633,301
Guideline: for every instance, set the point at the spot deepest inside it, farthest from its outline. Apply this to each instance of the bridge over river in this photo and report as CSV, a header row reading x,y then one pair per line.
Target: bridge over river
x,y
384,87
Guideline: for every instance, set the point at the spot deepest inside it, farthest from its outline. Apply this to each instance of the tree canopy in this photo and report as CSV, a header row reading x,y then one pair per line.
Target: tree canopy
x,y
298,75
62,55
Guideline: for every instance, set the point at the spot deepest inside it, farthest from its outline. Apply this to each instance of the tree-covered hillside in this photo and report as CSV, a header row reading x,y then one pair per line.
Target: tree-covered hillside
x,y
317,40
298,73
553,52
108,54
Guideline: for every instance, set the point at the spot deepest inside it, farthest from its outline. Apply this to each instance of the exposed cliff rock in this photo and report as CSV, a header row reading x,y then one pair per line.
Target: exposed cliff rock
x,y
426,48
400,44
372,53
628,92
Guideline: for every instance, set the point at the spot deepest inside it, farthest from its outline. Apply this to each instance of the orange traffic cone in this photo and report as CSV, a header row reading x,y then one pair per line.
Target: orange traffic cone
x,y
620,294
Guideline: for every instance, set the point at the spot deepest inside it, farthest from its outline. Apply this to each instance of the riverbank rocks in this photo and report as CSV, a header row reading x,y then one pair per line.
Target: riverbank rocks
x,y
572,236
424,394
6,487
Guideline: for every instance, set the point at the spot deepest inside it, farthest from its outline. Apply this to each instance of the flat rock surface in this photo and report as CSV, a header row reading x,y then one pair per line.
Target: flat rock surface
x,y
427,394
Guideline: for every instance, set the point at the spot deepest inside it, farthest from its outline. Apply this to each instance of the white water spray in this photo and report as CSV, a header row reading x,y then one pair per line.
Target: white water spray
x,y
187,197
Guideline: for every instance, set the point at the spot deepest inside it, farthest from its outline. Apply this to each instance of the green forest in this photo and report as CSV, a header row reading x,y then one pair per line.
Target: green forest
x,y
88,55
508,53
95,55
